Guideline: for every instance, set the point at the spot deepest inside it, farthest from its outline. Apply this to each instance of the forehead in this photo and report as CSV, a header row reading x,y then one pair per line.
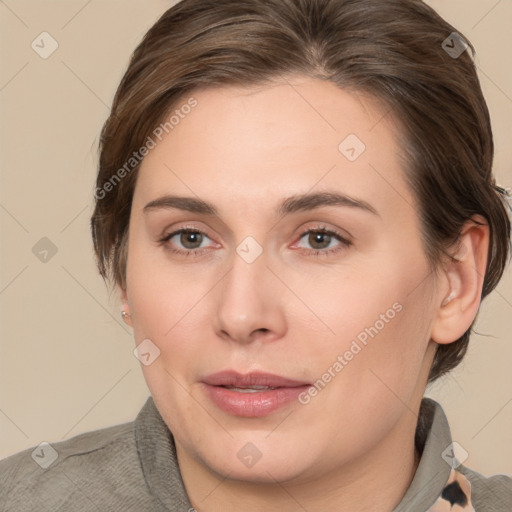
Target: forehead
x,y
296,113
248,143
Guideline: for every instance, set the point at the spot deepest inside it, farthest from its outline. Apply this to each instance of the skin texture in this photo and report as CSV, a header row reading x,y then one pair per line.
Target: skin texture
x,y
291,312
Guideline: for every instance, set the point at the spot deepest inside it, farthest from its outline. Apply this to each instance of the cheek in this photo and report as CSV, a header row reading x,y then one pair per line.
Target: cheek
x,y
375,326
169,306
361,301
371,368
159,294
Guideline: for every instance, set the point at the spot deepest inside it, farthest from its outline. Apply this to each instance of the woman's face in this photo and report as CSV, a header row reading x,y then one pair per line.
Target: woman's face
x,y
303,261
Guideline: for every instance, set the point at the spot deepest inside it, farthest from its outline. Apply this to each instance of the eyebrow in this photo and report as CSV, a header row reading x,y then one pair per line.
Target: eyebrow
x,y
293,204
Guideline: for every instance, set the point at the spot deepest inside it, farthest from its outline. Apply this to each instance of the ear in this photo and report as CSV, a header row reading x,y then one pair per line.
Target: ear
x,y
125,308
459,299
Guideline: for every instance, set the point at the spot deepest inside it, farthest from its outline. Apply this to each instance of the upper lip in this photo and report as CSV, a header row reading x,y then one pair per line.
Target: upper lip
x,y
235,379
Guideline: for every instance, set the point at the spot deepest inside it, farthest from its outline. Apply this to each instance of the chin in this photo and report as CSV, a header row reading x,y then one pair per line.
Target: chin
x,y
247,463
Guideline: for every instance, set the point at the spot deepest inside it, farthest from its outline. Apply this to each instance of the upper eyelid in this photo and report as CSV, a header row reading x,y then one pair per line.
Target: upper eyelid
x,y
172,233
198,230
347,240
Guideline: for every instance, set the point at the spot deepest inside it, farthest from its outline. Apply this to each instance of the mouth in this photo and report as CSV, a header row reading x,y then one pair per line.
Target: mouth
x,y
252,395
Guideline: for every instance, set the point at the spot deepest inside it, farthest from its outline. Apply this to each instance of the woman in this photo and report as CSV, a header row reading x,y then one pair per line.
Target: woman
x,y
295,203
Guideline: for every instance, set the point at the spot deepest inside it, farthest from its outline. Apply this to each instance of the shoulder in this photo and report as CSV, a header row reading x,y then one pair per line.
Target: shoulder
x,y
75,471
489,493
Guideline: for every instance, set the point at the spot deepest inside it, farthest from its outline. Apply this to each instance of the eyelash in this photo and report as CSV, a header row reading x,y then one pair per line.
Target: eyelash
x,y
314,252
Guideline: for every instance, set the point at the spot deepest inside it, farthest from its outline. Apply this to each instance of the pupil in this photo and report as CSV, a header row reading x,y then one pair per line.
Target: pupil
x,y
190,238
318,238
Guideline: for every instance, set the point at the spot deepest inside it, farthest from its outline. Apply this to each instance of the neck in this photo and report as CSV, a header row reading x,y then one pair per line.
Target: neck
x,y
386,470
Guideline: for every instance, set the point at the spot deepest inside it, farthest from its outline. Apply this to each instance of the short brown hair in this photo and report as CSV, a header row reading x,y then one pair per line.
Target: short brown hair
x,y
394,51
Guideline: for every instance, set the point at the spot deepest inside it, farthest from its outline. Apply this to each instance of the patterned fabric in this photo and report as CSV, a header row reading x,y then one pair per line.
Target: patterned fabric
x,y
456,496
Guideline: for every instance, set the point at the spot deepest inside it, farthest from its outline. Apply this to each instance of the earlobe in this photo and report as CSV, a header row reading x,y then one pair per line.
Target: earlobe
x,y
460,300
125,309
126,317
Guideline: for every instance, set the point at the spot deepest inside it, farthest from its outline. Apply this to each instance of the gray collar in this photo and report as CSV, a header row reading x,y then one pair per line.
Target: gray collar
x,y
157,453
432,438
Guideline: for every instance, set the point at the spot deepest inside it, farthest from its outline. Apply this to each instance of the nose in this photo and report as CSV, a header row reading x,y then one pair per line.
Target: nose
x,y
249,303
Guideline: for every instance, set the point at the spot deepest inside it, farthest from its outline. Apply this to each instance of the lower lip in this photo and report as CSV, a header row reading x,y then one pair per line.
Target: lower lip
x,y
253,405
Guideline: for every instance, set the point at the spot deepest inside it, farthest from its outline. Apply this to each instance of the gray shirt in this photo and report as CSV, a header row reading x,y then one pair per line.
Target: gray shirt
x,y
133,467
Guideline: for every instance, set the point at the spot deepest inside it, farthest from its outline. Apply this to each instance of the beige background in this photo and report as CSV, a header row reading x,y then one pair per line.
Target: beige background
x,y
66,361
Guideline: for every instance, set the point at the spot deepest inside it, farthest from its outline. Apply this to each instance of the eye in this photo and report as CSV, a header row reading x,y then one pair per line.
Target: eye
x,y
190,241
324,241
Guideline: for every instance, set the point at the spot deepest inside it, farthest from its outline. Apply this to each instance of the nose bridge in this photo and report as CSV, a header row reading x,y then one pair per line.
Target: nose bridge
x,y
244,286
248,299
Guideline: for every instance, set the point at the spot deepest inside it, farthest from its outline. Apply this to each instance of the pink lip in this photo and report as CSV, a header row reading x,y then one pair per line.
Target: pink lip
x,y
252,404
232,378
